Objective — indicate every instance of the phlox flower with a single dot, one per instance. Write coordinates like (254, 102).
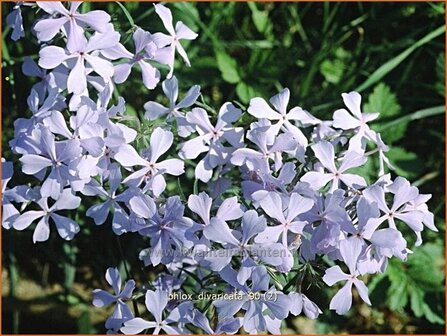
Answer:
(324, 151)
(259, 108)
(15, 20)
(121, 312)
(142, 40)
(420, 203)
(156, 302)
(261, 313)
(155, 110)
(383, 160)
(211, 138)
(70, 21)
(271, 147)
(301, 303)
(76, 58)
(56, 155)
(228, 326)
(152, 171)
(238, 243)
(366, 228)
(285, 210)
(229, 210)
(350, 250)
(25, 129)
(258, 184)
(167, 227)
(100, 211)
(355, 120)
(85, 128)
(403, 194)
(17, 194)
(331, 217)
(8, 210)
(181, 32)
(55, 80)
(66, 227)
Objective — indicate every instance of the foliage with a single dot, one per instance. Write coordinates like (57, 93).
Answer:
(393, 52)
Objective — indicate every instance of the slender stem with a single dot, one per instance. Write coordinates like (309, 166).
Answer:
(371, 152)
(126, 12)
(290, 283)
(13, 281)
(128, 275)
(299, 281)
(69, 267)
(206, 107)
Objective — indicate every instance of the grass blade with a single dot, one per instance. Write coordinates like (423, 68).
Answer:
(383, 70)
(425, 113)
(126, 12)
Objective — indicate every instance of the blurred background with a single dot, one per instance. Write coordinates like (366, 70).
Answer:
(393, 53)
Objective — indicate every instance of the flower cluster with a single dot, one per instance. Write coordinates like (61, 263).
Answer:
(278, 194)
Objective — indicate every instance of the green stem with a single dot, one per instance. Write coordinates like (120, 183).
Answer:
(13, 282)
(128, 275)
(425, 113)
(126, 12)
(69, 266)
(196, 187)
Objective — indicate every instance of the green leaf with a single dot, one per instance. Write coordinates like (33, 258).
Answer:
(431, 316)
(5, 50)
(72, 300)
(192, 275)
(397, 292)
(260, 18)
(440, 74)
(332, 70)
(180, 190)
(187, 13)
(130, 111)
(427, 259)
(86, 7)
(245, 92)
(384, 101)
(407, 164)
(277, 280)
(372, 284)
(383, 70)
(417, 300)
(419, 283)
(85, 324)
(228, 67)
(437, 8)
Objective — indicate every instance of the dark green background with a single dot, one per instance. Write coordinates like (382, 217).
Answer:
(318, 51)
